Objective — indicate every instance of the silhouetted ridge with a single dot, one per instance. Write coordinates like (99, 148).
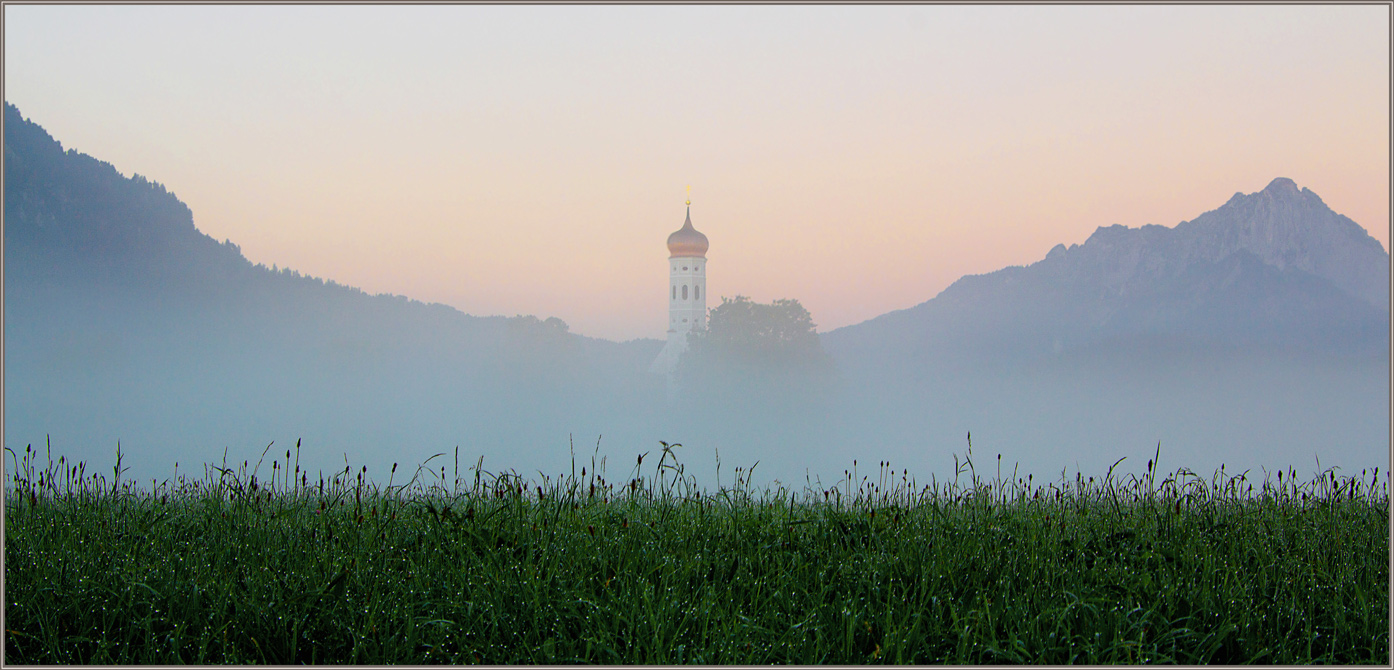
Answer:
(120, 312)
(71, 219)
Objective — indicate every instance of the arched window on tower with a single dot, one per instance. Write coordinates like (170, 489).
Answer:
(696, 292)
(675, 291)
(684, 291)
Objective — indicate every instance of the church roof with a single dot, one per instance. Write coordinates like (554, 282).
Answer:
(687, 241)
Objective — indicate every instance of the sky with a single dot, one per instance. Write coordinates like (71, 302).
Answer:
(533, 159)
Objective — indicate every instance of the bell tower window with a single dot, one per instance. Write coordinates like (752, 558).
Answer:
(684, 292)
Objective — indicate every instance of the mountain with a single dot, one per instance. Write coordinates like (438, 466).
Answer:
(124, 322)
(1273, 270)
(1255, 335)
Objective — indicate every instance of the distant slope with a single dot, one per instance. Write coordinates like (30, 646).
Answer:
(1275, 270)
(124, 321)
(74, 225)
(1251, 336)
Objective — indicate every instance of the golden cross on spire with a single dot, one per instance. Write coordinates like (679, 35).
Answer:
(689, 194)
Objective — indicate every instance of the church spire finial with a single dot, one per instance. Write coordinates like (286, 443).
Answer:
(687, 241)
(689, 195)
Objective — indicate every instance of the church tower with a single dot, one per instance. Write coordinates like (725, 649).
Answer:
(687, 292)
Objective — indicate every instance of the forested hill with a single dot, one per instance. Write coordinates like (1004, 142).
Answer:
(71, 219)
(74, 222)
(124, 321)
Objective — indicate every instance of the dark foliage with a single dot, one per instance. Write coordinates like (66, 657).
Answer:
(754, 357)
(741, 332)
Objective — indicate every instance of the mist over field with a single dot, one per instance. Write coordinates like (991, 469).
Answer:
(1255, 336)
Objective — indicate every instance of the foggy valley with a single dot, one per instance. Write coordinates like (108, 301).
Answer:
(1255, 335)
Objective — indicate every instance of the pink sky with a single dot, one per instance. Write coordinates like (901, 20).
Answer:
(532, 160)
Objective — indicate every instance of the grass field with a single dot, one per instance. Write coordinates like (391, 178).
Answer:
(492, 568)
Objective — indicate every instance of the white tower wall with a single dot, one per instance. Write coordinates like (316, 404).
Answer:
(687, 295)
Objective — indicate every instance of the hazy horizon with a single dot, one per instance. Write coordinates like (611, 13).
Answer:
(532, 160)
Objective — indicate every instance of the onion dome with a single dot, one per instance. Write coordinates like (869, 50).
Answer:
(687, 241)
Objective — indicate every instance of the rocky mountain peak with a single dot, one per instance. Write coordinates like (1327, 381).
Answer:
(1275, 266)
(1288, 227)
(1282, 186)
(1284, 226)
